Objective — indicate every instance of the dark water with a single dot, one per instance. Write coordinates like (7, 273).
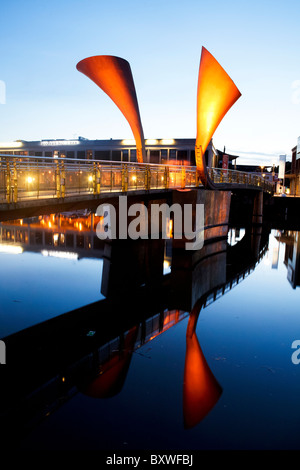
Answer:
(199, 359)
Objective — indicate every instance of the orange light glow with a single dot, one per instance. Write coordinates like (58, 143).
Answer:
(201, 390)
(215, 96)
(113, 75)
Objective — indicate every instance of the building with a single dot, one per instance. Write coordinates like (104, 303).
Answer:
(158, 151)
(294, 174)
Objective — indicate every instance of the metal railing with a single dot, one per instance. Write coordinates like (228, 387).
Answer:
(233, 177)
(25, 178)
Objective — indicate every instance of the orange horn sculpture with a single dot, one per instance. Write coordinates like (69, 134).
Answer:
(201, 391)
(215, 96)
(113, 75)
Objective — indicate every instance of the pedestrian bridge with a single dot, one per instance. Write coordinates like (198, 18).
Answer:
(33, 179)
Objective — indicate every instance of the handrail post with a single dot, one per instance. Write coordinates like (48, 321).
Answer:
(63, 180)
(183, 177)
(94, 179)
(97, 179)
(147, 178)
(166, 177)
(124, 178)
(57, 177)
(15, 182)
(38, 180)
(8, 182)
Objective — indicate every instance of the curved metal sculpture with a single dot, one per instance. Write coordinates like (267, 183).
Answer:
(113, 75)
(215, 96)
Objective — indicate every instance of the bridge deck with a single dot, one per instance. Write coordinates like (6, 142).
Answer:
(28, 181)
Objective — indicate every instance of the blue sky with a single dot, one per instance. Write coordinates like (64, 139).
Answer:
(258, 44)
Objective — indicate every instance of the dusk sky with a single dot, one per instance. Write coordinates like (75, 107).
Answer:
(257, 43)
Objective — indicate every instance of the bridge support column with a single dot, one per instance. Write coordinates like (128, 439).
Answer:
(216, 212)
(131, 263)
(258, 204)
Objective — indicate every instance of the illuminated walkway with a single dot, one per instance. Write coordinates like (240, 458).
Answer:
(25, 179)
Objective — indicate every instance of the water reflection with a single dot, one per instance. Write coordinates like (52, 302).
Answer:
(55, 234)
(113, 371)
(291, 240)
(201, 391)
(148, 288)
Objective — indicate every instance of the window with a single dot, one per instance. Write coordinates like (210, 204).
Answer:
(125, 156)
(154, 156)
(133, 155)
(172, 156)
(164, 156)
(116, 155)
(81, 154)
(182, 156)
(102, 155)
(193, 158)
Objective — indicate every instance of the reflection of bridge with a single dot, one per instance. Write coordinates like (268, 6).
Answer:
(63, 235)
(90, 349)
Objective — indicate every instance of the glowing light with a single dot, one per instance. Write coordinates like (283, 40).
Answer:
(90, 179)
(151, 141)
(128, 142)
(59, 142)
(134, 179)
(11, 249)
(11, 145)
(167, 141)
(60, 254)
(167, 267)
(29, 179)
(169, 227)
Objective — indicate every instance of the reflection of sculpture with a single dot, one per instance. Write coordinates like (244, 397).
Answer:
(201, 390)
(113, 75)
(216, 94)
(111, 379)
